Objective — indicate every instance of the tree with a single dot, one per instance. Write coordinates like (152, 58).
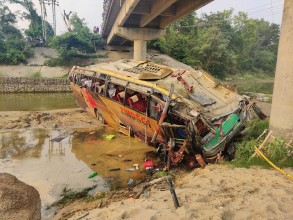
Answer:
(74, 44)
(80, 28)
(12, 45)
(35, 26)
(222, 43)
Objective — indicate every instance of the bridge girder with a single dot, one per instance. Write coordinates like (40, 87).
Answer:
(147, 14)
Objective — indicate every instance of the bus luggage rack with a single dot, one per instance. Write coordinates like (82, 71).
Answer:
(144, 68)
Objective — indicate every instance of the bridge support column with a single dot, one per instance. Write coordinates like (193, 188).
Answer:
(140, 36)
(139, 50)
(281, 121)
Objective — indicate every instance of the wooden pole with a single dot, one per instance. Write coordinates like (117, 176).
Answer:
(263, 143)
(173, 193)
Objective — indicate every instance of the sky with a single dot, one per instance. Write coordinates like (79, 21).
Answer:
(91, 10)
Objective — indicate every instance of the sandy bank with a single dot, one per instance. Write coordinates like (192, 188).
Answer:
(217, 192)
(61, 119)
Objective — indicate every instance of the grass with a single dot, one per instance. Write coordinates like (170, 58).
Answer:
(105, 55)
(36, 74)
(65, 76)
(254, 128)
(252, 82)
(69, 196)
(276, 150)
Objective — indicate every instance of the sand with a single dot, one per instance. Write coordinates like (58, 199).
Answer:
(57, 119)
(216, 192)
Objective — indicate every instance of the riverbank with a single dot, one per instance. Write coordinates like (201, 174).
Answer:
(216, 192)
(58, 119)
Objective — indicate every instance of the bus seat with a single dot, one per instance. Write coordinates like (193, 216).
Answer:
(121, 96)
(100, 89)
(137, 102)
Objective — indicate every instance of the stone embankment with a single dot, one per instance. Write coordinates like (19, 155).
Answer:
(33, 85)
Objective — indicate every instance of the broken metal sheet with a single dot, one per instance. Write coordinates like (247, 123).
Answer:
(202, 99)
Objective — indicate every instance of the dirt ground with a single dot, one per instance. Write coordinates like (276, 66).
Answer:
(57, 119)
(216, 192)
(61, 119)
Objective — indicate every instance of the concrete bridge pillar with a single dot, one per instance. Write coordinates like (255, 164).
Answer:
(139, 50)
(281, 121)
(139, 36)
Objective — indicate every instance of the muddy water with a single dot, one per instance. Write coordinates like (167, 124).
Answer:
(51, 166)
(36, 101)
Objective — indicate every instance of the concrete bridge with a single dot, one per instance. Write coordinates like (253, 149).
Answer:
(142, 20)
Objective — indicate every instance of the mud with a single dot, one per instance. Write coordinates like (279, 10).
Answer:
(61, 119)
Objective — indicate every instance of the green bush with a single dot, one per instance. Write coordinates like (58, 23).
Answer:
(36, 74)
(105, 55)
(276, 151)
(244, 151)
(12, 51)
(254, 128)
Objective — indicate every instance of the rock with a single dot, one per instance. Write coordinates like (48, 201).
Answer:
(18, 200)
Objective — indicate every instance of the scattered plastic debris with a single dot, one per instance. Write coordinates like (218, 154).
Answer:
(148, 164)
(146, 194)
(130, 169)
(115, 169)
(130, 182)
(136, 166)
(110, 137)
(92, 175)
(200, 160)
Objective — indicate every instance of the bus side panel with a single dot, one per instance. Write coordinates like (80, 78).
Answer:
(95, 102)
(136, 120)
(78, 95)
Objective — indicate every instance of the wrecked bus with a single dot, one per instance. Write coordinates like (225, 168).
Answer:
(180, 112)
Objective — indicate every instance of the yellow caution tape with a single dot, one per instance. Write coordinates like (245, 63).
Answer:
(271, 163)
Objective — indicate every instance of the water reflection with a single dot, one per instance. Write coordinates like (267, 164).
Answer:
(52, 166)
(48, 166)
(111, 158)
(18, 144)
